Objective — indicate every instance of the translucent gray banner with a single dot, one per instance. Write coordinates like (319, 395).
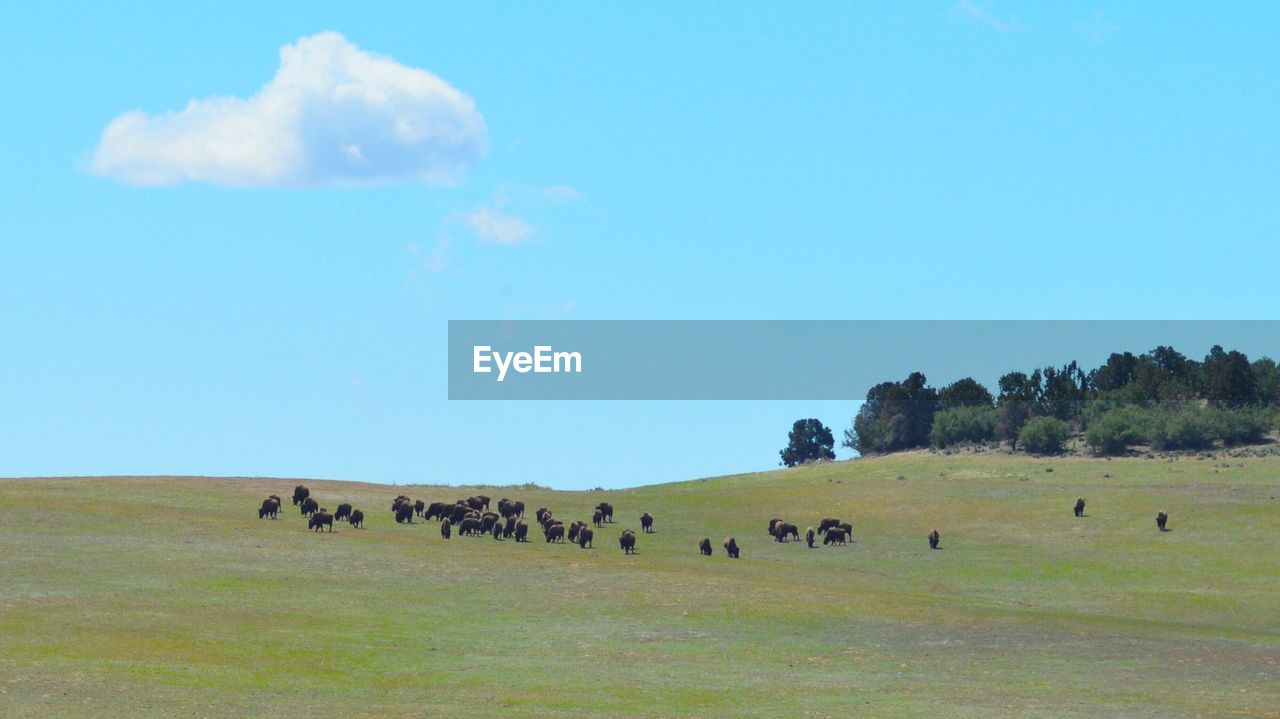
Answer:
(786, 360)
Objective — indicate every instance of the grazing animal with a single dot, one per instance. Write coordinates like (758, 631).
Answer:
(1080, 506)
(270, 508)
(522, 532)
(705, 546)
(784, 529)
(435, 510)
(470, 527)
(475, 503)
(343, 512)
(504, 507)
(1162, 519)
(574, 528)
(555, 533)
(933, 539)
(730, 547)
(835, 535)
(399, 500)
(275, 497)
(357, 518)
(488, 522)
(458, 512)
(627, 542)
(646, 523)
(808, 537)
(419, 507)
(597, 518)
(404, 513)
(446, 528)
(826, 524)
(497, 530)
(300, 493)
(320, 519)
(847, 529)
(606, 511)
(518, 507)
(510, 527)
(310, 506)
(584, 536)
(773, 525)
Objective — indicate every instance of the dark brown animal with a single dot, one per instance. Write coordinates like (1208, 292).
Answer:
(835, 535)
(509, 528)
(826, 524)
(606, 510)
(458, 512)
(522, 532)
(419, 507)
(847, 529)
(484, 502)
(300, 493)
(555, 533)
(1161, 520)
(404, 513)
(646, 523)
(435, 510)
(933, 539)
(446, 528)
(808, 537)
(275, 497)
(399, 500)
(585, 534)
(518, 506)
(270, 508)
(497, 530)
(357, 518)
(627, 542)
(785, 529)
(597, 518)
(705, 546)
(731, 547)
(470, 527)
(319, 520)
(574, 528)
(475, 503)
(538, 514)
(773, 524)
(310, 506)
(488, 522)
(1079, 506)
(342, 513)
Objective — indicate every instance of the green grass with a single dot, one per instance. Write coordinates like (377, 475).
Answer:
(168, 597)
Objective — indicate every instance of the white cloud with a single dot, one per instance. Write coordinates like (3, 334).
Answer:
(333, 114)
(986, 17)
(491, 225)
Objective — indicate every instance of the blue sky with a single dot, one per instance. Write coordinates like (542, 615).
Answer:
(631, 161)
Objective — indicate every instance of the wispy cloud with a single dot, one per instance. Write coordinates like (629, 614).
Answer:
(985, 16)
(494, 226)
(1098, 28)
(332, 114)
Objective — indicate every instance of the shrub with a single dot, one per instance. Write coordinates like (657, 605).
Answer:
(1186, 427)
(1118, 430)
(1243, 425)
(964, 424)
(1044, 435)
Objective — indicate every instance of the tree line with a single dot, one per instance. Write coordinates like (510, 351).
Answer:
(1159, 398)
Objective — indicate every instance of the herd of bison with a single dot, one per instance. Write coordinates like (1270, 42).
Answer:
(472, 517)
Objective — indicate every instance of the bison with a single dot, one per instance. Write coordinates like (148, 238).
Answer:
(446, 528)
(554, 533)
(470, 527)
(1162, 519)
(310, 506)
(435, 510)
(342, 513)
(933, 539)
(826, 524)
(783, 529)
(847, 529)
(488, 522)
(419, 507)
(404, 513)
(319, 520)
(808, 537)
(270, 508)
(705, 546)
(522, 532)
(509, 528)
(597, 518)
(399, 500)
(627, 542)
(497, 530)
(357, 518)
(458, 512)
(574, 528)
(646, 523)
(730, 548)
(584, 536)
(1079, 506)
(773, 524)
(540, 513)
(300, 493)
(518, 507)
(835, 535)
(606, 511)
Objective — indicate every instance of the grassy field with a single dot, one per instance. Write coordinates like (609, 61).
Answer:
(165, 597)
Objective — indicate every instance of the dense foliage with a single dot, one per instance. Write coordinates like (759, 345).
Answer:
(809, 441)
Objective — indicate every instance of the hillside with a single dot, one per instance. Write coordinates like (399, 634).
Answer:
(169, 597)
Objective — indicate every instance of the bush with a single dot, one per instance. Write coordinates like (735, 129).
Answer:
(1044, 435)
(1244, 425)
(964, 424)
(1187, 427)
(1119, 429)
